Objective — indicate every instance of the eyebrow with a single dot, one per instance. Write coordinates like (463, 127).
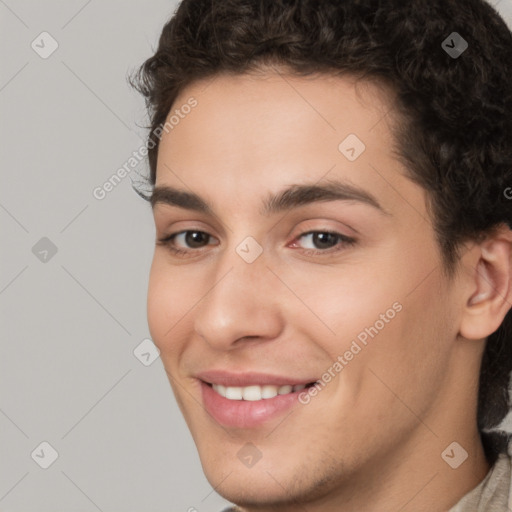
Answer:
(292, 197)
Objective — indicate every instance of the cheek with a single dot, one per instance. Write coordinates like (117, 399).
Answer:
(170, 299)
(409, 356)
(387, 314)
(157, 304)
(343, 304)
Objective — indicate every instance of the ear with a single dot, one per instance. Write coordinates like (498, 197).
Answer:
(490, 285)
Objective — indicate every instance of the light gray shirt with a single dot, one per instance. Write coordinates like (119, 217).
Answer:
(494, 492)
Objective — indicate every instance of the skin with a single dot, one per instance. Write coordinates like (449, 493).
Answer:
(372, 438)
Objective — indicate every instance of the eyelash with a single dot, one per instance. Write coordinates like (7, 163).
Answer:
(345, 241)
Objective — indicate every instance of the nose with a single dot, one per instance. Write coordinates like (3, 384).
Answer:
(241, 304)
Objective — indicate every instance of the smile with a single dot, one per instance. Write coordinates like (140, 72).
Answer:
(256, 392)
(250, 406)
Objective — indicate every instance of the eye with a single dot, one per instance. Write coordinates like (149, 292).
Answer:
(192, 239)
(321, 242)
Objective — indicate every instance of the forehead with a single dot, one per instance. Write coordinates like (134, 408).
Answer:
(266, 102)
(256, 133)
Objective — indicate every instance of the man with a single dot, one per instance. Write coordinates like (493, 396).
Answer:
(332, 279)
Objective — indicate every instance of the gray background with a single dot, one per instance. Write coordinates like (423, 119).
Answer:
(72, 320)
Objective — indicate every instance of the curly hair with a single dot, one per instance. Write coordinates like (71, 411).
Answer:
(455, 134)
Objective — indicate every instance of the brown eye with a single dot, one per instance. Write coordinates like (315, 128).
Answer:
(195, 239)
(324, 241)
(189, 242)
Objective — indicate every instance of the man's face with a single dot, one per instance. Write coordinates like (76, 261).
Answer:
(273, 299)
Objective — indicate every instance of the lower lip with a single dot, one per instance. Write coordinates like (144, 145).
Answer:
(245, 413)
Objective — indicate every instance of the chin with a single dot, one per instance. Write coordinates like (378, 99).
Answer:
(262, 489)
(238, 483)
(272, 481)
(250, 490)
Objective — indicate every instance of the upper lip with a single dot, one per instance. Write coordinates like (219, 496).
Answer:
(244, 379)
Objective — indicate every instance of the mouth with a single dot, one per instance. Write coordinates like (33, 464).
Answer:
(254, 402)
(256, 392)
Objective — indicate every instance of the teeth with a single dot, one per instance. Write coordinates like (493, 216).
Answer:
(283, 390)
(254, 393)
(269, 391)
(234, 393)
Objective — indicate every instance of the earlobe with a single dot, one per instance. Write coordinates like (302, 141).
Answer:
(491, 286)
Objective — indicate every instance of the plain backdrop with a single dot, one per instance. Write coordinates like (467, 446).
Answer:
(78, 392)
